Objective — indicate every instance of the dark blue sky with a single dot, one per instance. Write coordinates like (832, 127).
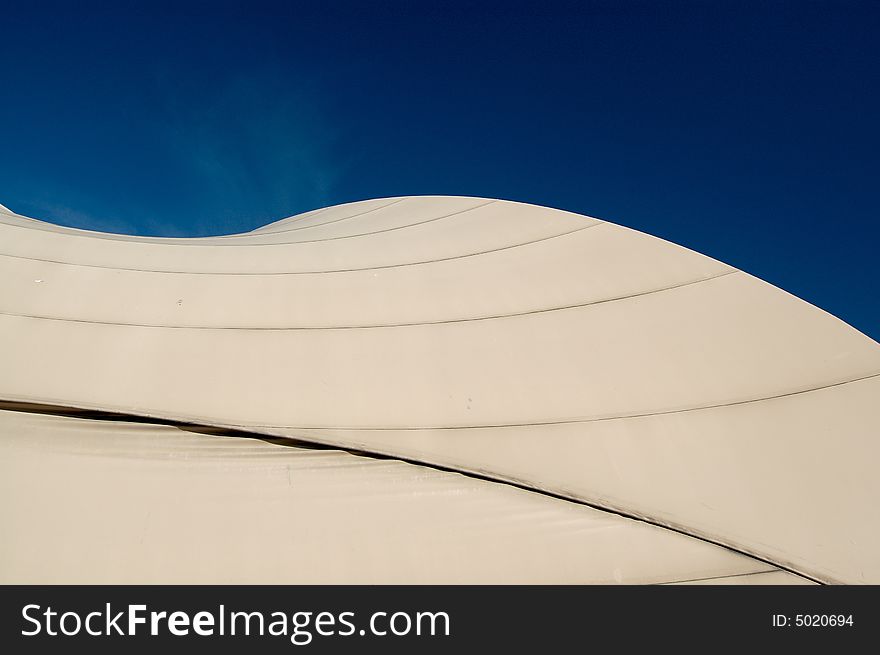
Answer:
(749, 132)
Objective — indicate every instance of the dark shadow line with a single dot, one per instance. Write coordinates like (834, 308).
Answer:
(294, 442)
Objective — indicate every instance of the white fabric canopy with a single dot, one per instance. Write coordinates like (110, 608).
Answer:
(524, 344)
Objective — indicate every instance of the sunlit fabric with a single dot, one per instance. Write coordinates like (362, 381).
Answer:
(505, 393)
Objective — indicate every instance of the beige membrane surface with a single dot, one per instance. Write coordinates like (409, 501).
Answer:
(522, 343)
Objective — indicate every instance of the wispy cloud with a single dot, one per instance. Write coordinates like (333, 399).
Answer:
(252, 150)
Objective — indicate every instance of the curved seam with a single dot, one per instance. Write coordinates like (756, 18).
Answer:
(307, 214)
(377, 326)
(266, 245)
(254, 233)
(577, 421)
(725, 577)
(312, 429)
(322, 272)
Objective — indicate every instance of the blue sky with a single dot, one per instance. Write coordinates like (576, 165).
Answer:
(747, 131)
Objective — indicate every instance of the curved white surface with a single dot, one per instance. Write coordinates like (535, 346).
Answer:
(526, 344)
